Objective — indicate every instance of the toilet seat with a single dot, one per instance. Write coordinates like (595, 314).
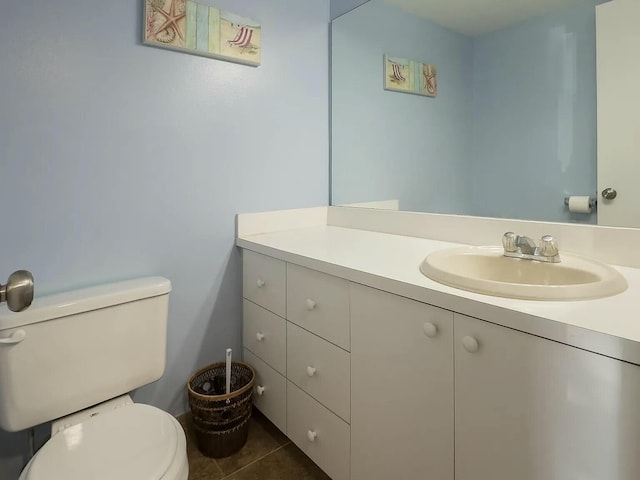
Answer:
(134, 442)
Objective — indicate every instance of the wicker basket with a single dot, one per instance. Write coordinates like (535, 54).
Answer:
(221, 421)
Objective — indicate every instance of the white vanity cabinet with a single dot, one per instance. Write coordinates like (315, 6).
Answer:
(264, 332)
(296, 336)
(528, 408)
(401, 388)
(372, 386)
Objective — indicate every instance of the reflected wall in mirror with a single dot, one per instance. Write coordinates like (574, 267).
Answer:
(513, 130)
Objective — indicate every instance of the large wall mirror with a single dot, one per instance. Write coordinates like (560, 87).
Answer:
(536, 102)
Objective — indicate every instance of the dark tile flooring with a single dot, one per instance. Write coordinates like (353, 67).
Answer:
(267, 455)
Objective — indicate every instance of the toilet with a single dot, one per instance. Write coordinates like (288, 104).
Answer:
(73, 358)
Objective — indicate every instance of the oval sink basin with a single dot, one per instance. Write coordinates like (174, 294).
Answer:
(486, 270)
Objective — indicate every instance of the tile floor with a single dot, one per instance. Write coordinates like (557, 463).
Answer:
(267, 455)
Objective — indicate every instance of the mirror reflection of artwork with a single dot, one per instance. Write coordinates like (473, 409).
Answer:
(397, 74)
(190, 27)
(403, 75)
(429, 84)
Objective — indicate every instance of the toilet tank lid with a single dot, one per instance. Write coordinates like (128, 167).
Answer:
(84, 300)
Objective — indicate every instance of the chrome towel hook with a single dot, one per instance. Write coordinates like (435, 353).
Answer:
(18, 292)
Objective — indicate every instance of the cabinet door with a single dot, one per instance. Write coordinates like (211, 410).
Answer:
(401, 388)
(532, 409)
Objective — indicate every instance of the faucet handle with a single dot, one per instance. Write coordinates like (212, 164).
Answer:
(548, 246)
(509, 242)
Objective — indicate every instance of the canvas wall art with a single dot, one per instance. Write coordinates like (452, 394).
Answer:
(409, 76)
(191, 27)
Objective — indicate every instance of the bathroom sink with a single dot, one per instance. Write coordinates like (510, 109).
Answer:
(486, 270)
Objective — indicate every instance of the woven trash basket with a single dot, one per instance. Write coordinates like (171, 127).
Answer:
(221, 421)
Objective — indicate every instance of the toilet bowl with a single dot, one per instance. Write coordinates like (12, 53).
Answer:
(134, 442)
(87, 349)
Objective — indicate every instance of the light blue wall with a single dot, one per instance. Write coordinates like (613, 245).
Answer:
(340, 7)
(119, 160)
(535, 117)
(390, 145)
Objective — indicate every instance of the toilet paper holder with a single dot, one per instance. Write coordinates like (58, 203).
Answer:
(593, 201)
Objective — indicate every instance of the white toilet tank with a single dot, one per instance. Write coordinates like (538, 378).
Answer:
(75, 349)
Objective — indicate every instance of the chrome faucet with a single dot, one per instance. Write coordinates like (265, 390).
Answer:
(519, 246)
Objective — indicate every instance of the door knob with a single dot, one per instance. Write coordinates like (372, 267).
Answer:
(18, 292)
(609, 193)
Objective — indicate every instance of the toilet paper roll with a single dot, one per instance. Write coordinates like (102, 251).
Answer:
(579, 205)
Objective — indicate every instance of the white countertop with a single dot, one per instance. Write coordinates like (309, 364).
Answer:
(608, 326)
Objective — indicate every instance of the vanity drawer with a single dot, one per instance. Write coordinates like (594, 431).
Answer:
(319, 303)
(265, 334)
(321, 435)
(264, 281)
(319, 368)
(269, 391)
